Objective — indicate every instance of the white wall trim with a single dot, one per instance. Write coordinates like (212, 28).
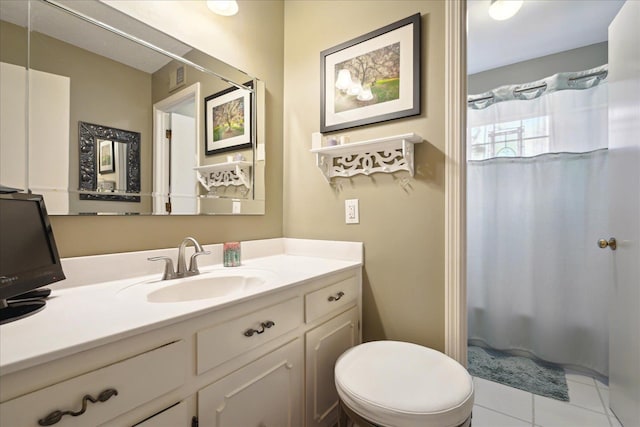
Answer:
(455, 181)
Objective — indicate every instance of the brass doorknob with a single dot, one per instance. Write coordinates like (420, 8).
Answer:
(611, 243)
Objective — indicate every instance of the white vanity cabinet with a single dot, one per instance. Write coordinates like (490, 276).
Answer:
(266, 360)
(296, 378)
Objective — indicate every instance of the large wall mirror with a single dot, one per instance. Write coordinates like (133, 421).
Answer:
(123, 119)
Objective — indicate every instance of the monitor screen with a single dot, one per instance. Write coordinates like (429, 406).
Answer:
(28, 253)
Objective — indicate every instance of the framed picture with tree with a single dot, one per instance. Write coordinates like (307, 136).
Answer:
(228, 120)
(106, 163)
(372, 78)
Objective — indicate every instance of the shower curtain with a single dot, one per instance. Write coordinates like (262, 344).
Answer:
(537, 190)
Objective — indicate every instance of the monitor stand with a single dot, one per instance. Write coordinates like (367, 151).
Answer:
(14, 310)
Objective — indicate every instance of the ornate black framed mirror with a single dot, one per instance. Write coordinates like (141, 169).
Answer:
(109, 163)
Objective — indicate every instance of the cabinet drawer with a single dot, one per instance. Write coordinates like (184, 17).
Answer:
(229, 339)
(136, 380)
(331, 298)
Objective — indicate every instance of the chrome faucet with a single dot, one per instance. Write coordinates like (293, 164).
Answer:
(193, 265)
(182, 270)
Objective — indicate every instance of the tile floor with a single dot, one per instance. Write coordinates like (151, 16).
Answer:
(497, 405)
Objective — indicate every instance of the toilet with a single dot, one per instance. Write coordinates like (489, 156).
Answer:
(400, 384)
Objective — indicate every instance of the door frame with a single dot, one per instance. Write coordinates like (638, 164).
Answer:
(455, 180)
(160, 150)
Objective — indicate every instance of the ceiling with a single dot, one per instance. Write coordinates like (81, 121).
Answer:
(53, 22)
(541, 27)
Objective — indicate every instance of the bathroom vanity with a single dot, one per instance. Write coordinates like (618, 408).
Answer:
(258, 350)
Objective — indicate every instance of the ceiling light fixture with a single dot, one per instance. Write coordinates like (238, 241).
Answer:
(504, 9)
(224, 8)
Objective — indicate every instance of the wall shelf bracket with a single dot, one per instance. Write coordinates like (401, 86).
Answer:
(227, 174)
(386, 155)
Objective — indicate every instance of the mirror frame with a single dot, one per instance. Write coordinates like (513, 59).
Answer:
(88, 134)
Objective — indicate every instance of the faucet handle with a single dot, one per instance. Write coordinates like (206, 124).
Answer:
(169, 273)
(193, 264)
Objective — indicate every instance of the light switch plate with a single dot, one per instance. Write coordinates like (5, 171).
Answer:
(235, 207)
(351, 211)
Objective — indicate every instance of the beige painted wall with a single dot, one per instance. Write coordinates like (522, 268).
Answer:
(253, 41)
(13, 44)
(402, 227)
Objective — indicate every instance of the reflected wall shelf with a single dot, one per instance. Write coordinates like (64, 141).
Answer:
(387, 155)
(224, 174)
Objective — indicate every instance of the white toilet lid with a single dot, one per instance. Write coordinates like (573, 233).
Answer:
(393, 383)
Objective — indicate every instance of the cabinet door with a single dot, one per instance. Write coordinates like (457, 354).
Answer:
(265, 393)
(324, 345)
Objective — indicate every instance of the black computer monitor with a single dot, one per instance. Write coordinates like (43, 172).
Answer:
(28, 254)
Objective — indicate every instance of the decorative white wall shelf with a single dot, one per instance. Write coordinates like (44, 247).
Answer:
(224, 174)
(387, 155)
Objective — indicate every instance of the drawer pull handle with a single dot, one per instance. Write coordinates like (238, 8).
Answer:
(264, 325)
(56, 416)
(337, 297)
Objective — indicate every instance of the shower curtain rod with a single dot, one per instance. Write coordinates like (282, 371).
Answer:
(519, 89)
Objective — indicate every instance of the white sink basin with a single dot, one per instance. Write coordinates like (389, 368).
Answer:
(207, 285)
